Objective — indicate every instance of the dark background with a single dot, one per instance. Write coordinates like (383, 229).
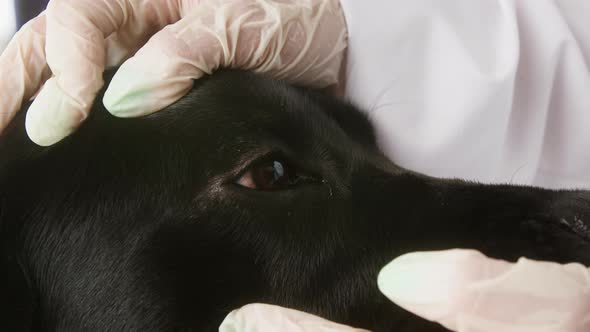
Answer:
(27, 9)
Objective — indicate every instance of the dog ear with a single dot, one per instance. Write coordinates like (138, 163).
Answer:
(16, 297)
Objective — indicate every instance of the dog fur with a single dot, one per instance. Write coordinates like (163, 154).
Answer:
(142, 224)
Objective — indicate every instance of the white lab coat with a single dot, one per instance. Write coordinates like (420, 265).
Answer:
(495, 91)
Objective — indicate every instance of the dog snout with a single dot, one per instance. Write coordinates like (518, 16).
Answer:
(572, 211)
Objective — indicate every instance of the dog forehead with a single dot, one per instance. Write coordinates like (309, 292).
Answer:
(233, 113)
(241, 103)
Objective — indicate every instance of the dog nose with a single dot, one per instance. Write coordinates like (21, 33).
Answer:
(572, 210)
(577, 226)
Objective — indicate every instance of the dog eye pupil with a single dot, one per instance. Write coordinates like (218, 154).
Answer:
(271, 176)
(279, 170)
(268, 175)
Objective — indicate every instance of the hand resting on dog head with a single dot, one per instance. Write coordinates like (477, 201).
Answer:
(60, 55)
(246, 190)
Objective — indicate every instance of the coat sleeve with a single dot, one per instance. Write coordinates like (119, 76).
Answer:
(495, 91)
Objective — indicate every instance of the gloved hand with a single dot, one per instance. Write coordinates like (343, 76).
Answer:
(468, 292)
(464, 291)
(74, 40)
(264, 317)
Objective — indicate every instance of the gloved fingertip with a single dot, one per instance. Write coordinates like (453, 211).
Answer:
(428, 284)
(266, 317)
(52, 116)
(122, 100)
(136, 93)
(43, 136)
(141, 88)
(230, 323)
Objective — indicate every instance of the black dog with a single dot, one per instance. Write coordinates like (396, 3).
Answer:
(246, 190)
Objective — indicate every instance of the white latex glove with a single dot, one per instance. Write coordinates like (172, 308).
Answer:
(74, 40)
(468, 292)
(264, 317)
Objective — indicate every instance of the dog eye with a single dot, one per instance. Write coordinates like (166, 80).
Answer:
(268, 175)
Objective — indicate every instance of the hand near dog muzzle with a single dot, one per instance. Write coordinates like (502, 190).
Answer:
(467, 292)
(464, 291)
(67, 48)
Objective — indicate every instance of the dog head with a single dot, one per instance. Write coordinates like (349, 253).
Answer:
(246, 190)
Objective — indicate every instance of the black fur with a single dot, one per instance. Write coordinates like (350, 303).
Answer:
(138, 225)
